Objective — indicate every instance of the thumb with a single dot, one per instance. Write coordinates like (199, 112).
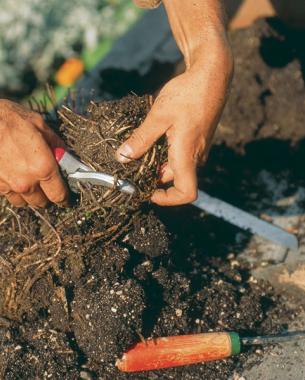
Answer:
(141, 139)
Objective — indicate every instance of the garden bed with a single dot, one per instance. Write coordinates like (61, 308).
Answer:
(80, 286)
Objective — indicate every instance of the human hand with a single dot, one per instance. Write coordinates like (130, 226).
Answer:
(28, 170)
(187, 111)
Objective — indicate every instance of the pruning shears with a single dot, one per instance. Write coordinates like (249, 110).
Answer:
(76, 170)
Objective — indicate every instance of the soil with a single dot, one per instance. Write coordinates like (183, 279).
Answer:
(269, 73)
(80, 286)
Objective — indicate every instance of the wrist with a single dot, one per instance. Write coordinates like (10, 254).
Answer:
(212, 46)
(198, 26)
(216, 54)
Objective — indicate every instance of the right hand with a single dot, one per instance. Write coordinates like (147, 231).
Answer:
(29, 173)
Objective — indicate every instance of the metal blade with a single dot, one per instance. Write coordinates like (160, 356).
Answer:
(102, 179)
(273, 339)
(245, 220)
(70, 164)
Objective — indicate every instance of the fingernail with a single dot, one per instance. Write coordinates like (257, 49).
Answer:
(124, 154)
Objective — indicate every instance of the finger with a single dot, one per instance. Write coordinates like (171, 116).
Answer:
(4, 188)
(142, 138)
(51, 184)
(55, 189)
(167, 174)
(15, 199)
(35, 198)
(183, 164)
(177, 194)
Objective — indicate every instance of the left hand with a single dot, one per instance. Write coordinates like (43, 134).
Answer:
(187, 110)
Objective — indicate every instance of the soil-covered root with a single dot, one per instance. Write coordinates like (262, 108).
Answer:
(34, 241)
(95, 139)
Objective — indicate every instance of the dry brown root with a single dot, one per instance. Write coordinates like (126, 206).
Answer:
(33, 242)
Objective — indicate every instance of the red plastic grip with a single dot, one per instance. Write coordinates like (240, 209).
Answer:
(58, 153)
(176, 351)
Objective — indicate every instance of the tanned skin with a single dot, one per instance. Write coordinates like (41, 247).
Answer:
(187, 111)
(188, 107)
(28, 171)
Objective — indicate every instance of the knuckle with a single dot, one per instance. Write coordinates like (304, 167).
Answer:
(162, 99)
(43, 168)
(191, 196)
(37, 119)
(21, 187)
(199, 148)
(138, 137)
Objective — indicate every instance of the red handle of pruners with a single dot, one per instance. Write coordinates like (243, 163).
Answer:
(67, 161)
(58, 153)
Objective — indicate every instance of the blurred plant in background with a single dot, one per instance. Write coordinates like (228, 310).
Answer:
(38, 35)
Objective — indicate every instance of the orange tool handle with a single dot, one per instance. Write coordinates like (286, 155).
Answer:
(177, 351)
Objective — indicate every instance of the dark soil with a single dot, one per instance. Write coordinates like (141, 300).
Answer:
(267, 96)
(104, 276)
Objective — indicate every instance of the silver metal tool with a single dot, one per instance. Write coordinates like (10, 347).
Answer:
(245, 220)
(76, 170)
(273, 339)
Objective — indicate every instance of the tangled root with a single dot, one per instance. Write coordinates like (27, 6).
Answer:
(34, 242)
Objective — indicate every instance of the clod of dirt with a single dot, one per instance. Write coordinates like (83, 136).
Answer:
(106, 318)
(267, 96)
(142, 237)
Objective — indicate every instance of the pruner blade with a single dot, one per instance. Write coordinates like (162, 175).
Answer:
(103, 179)
(78, 171)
